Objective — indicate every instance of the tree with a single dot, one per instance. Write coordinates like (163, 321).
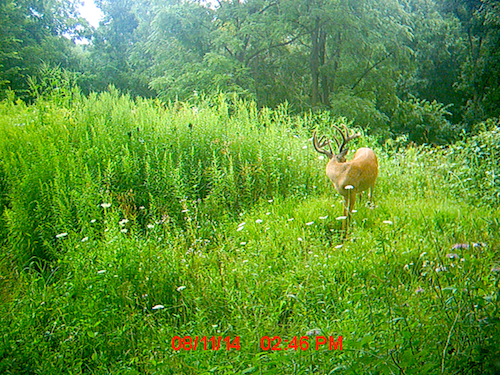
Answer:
(35, 32)
(479, 79)
(111, 58)
(438, 49)
(180, 45)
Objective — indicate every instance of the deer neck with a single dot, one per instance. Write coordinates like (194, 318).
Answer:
(334, 169)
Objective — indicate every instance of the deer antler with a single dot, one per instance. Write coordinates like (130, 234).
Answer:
(322, 142)
(345, 139)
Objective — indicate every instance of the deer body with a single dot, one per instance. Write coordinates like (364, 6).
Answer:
(361, 172)
(349, 177)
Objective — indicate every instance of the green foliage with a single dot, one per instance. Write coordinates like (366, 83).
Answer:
(359, 58)
(439, 46)
(273, 53)
(362, 111)
(479, 73)
(36, 33)
(129, 222)
(477, 174)
(113, 57)
(422, 122)
(55, 85)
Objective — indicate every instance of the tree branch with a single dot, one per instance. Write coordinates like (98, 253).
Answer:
(258, 52)
(369, 69)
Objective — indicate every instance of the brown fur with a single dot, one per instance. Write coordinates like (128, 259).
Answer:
(361, 173)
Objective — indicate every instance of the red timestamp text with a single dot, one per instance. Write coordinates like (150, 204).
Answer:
(301, 343)
(205, 343)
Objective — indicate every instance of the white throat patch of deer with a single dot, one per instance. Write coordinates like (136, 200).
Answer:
(349, 177)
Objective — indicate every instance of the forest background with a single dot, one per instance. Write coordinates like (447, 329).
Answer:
(427, 69)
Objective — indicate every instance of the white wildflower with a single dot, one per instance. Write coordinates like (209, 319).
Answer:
(123, 222)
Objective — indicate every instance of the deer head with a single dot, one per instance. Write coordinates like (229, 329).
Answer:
(342, 147)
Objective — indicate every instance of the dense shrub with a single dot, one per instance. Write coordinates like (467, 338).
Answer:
(477, 172)
(362, 111)
(423, 122)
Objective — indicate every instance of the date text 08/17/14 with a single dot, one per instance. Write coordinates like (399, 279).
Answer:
(274, 343)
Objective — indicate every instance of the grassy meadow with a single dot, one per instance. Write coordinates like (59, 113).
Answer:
(125, 223)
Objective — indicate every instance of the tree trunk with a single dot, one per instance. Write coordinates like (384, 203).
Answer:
(324, 81)
(320, 87)
(315, 65)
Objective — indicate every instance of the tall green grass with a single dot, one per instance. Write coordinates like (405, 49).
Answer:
(222, 214)
(149, 161)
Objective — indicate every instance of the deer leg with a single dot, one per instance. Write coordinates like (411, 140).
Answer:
(346, 215)
(371, 205)
(352, 201)
(349, 201)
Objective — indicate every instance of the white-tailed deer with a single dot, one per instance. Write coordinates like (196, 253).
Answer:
(349, 177)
